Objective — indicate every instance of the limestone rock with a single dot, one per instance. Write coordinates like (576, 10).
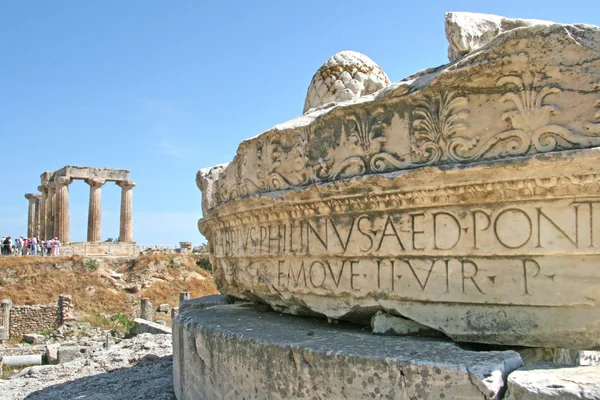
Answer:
(205, 180)
(33, 338)
(547, 382)
(465, 198)
(52, 353)
(577, 357)
(204, 302)
(345, 76)
(467, 31)
(309, 358)
(69, 353)
(589, 357)
(383, 323)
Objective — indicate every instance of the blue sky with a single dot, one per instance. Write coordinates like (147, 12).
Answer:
(164, 88)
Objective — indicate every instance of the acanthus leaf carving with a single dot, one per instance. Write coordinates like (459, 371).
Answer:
(531, 119)
(436, 122)
(363, 133)
(592, 127)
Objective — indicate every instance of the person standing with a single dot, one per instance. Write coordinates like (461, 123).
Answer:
(55, 246)
(48, 247)
(33, 243)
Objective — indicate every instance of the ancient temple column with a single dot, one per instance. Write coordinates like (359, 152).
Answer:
(62, 226)
(30, 214)
(42, 211)
(50, 210)
(126, 229)
(95, 212)
(38, 215)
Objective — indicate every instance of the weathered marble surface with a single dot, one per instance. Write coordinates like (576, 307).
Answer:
(265, 355)
(464, 198)
(345, 76)
(530, 90)
(553, 382)
(467, 31)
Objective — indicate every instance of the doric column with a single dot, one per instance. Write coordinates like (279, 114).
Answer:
(42, 211)
(50, 210)
(38, 215)
(95, 212)
(63, 227)
(30, 214)
(126, 230)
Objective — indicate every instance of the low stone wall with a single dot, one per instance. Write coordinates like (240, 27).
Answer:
(36, 318)
(100, 249)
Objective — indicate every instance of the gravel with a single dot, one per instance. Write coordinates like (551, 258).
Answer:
(136, 368)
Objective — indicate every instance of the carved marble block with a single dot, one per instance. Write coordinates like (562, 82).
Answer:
(465, 197)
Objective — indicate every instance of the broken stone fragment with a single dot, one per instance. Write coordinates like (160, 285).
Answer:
(205, 180)
(34, 338)
(383, 323)
(548, 382)
(467, 31)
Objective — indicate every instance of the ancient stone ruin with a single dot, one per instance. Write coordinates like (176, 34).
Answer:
(48, 214)
(464, 199)
(19, 320)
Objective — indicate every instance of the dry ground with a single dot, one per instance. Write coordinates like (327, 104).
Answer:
(103, 286)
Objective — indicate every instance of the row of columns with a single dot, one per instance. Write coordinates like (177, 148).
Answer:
(49, 216)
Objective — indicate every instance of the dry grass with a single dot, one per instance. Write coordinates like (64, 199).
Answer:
(168, 292)
(96, 296)
(43, 287)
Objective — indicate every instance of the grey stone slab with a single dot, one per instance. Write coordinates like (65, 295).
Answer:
(270, 355)
(383, 323)
(203, 302)
(550, 382)
(69, 353)
(144, 326)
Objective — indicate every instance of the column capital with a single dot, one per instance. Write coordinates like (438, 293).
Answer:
(63, 180)
(32, 196)
(50, 185)
(125, 184)
(43, 189)
(95, 182)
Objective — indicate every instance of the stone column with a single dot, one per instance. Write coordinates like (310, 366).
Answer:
(6, 306)
(95, 212)
(146, 309)
(31, 214)
(183, 296)
(50, 210)
(62, 226)
(126, 230)
(38, 215)
(42, 211)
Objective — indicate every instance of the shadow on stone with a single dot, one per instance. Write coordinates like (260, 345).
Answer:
(150, 378)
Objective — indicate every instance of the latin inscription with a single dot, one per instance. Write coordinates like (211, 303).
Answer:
(550, 227)
(510, 280)
(527, 253)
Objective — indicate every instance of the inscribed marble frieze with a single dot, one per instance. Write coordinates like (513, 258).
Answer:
(465, 197)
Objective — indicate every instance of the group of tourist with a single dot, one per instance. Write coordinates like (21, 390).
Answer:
(30, 246)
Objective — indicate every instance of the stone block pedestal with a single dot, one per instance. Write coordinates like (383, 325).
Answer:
(236, 351)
